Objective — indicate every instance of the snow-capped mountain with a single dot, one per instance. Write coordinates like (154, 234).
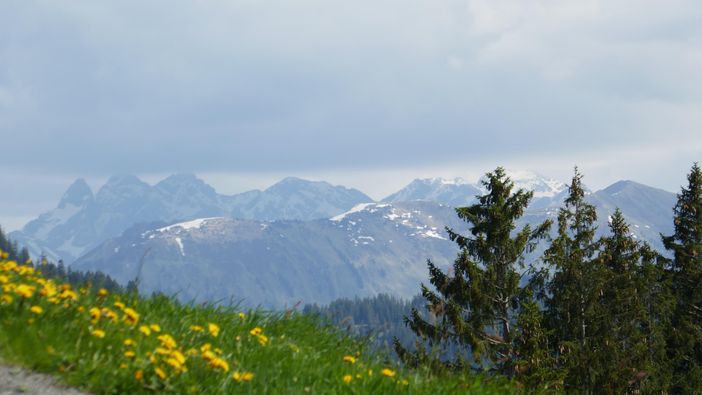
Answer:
(82, 221)
(458, 192)
(370, 249)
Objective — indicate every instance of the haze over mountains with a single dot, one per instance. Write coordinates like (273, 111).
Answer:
(295, 241)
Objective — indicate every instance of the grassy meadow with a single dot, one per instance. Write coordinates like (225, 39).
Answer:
(125, 344)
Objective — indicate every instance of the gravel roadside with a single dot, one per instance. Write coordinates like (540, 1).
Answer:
(15, 381)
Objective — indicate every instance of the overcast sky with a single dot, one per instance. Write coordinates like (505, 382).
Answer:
(368, 94)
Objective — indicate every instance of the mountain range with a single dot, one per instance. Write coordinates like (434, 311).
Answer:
(295, 241)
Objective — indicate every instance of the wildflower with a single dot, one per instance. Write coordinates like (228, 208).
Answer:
(67, 293)
(256, 331)
(160, 373)
(348, 378)
(123, 366)
(139, 375)
(197, 328)
(145, 330)
(6, 299)
(94, 314)
(213, 329)
(167, 341)
(178, 356)
(205, 347)
(131, 317)
(155, 327)
(208, 355)
(349, 359)
(109, 314)
(25, 291)
(242, 316)
(219, 363)
(129, 354)
(129, 342)
(388, 372)
(262, 339)
(99, 333)
(175, 364)
(242, 376)
(36, 309)
(4, 279)
(162, 351)
(102, 292)
(119, 305)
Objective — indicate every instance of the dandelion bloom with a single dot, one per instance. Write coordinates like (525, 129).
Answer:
(36, 309)
(99, 333)
(256, 331)
(348, 378)
(155, 327)
(242, 316)
(102, 292)
(196, 328)
(131, 317)
(349, 359)
(129, 354)
(145, 330)
(25, 291)
(139, 375)
(262, 340)
(160, 373)
(242, 376)
(219, 363)
(167, 341)
(6, 299)
(388, 372)
(129, 342)
(213, 329)
(119, 305)
(94, 314)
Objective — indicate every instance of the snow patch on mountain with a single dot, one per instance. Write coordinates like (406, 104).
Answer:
(188, 225)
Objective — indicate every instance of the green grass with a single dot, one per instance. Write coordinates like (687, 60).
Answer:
(300, 355)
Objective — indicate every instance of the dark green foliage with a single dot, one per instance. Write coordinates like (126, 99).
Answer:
(474, 305)
(685, 334)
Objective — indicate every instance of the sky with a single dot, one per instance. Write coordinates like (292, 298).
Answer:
(367, 94)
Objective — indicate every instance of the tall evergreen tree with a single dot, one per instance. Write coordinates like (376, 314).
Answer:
(475, 306)
(571, 296)
(685, 340)
(625, 354)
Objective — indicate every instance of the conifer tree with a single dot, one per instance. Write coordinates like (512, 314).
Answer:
(475, 305)
(685, 334)
(626, 357)
(573, 289)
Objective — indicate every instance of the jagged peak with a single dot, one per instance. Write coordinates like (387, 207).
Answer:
(77, 194)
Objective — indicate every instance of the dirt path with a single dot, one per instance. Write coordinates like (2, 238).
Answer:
(16, 381)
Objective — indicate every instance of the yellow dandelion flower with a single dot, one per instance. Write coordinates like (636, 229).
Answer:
(242, 316)
(118, 305)
(262, 340)
(36, 309)
(178, 356)
(208, 355)
(25, 291)
(196, 328)
(6, 299)
(213, 329)
(256, 331)
(155, 327)
(349, 359)
(348, 378)
(160, 373)
(99, 333)
(123, 366)
(94, 314)
(129, 342)
(145, 330)
(167, 341)
(205, 347)
(162, 351)
(102, 292)
(129, 354)
(139, 375)
(219, 363)
(388, 372)
(131, 317)
(242, 376)
(4, 279)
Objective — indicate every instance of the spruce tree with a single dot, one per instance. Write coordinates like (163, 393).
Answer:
(626, 356)
(572, 292)
(475, 305)
(685, 334)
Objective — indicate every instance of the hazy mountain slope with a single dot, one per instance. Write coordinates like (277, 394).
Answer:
(82, 221)
(374, 248)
